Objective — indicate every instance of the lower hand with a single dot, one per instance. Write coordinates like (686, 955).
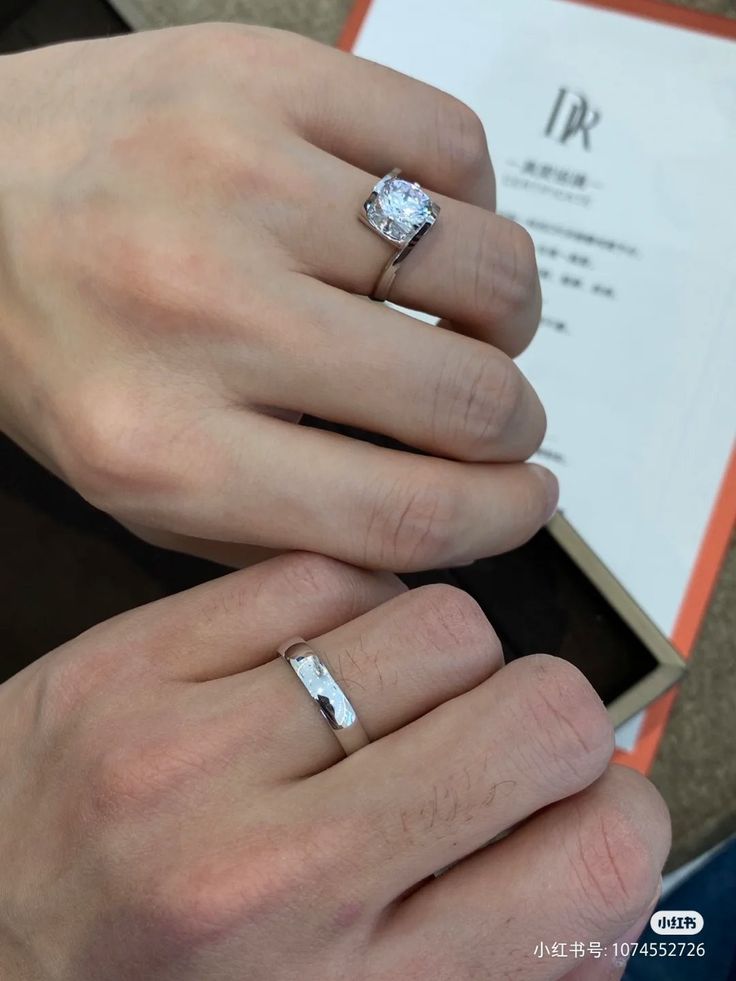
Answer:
(174, 807)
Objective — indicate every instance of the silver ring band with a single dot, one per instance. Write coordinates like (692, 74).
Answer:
(401, 212)
(311, 669)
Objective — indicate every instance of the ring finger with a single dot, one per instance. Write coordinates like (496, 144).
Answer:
(473, 268)
(394, 663)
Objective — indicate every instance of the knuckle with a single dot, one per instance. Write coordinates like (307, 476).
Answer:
(519, 276)
(505, 283)
(572, 734)
(485, 297)
(199, 144)
(310, 576)
(448, 618)
(462, 138)
(614, 868)
(65, 686)
(173, 142)
(134, 775)
(179, 145)
(125, 273)
(261, 168)
(109, 446)
(205, 903)
(265, 41)
(113, 784)
(531, 503)
(213, 896)
(239, 47)
(411, 524)
(480, 400)
(74, 681)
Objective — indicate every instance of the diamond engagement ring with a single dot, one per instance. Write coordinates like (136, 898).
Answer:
(401, 212)
(333, 703)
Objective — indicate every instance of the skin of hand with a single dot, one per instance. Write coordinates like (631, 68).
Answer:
(174, 807)
(183, 275)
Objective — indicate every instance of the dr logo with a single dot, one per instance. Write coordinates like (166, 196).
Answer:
(571, 117)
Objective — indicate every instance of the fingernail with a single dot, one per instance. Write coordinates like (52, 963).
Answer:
(551, 489)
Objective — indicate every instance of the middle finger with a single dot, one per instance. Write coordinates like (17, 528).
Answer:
(366, 365)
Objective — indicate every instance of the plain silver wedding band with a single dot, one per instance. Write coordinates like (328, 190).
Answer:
(334, 705)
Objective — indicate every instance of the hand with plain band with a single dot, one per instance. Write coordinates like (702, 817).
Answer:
(174, 807)
(183, 276)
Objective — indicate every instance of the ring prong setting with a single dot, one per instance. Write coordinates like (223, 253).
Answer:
(401, 212)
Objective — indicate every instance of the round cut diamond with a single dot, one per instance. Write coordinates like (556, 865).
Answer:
(399, 209)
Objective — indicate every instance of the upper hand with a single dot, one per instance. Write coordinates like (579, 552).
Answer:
(180, 261)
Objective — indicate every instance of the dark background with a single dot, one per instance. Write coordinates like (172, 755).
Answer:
(69, 566)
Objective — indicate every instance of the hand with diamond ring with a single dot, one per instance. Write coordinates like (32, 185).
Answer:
(174, 807)
(183, 275)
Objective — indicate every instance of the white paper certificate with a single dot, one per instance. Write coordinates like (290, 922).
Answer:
(614, 143)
